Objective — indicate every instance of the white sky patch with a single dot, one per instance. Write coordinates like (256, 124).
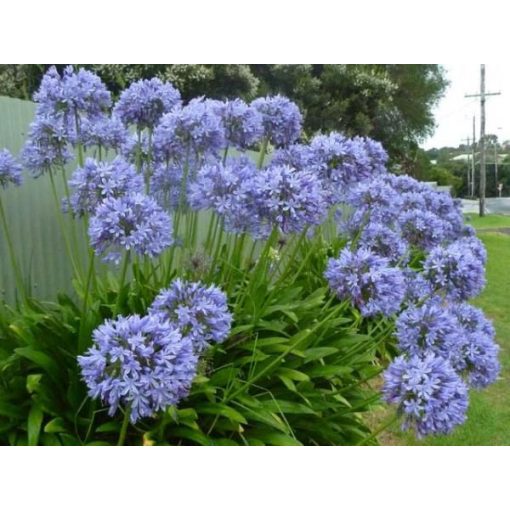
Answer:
(454, 113)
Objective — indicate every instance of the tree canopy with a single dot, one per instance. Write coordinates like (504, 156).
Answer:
(389, 102)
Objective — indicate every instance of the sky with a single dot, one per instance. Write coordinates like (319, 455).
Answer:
(454, 113)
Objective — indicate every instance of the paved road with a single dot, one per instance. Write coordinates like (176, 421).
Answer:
(492, 206)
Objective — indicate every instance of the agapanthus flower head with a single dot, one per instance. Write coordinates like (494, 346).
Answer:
(345, 161)
(95, 182)
(281, 119)
(10, 169)
(242, 123)
(384, 241)
(230, 191)
(78, 92)
(478, 356)
(371, 201)
(289, 199)
(417, 288)
(367, 280)
(404, 183)
(455, 271)
(104, 131)
(144, 102)
(428, 327)
(297, 155)
(46, 146)
(131, 222)
(200, 312)
(143, 364)
(428, 393)
(84, 92)
(422, 229)
(193, 130)
(166, 185)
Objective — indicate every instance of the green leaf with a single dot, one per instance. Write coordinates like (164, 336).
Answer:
(40, 359)
(10, 410)
(275, 439)
(110, 426)
(33, 381)
(221, 410)
(55, 426)
(328, 371)
(34, 422)
(318, 353)
(295, 375)
(287, 407)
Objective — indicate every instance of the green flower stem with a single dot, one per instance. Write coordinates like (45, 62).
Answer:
(225, 154)
(125, 264)
(60, 218)
(17, 272)
(73, 228)
(125, 424)
(82, 340)
(213, 222)
(262, 153)
(148, 173)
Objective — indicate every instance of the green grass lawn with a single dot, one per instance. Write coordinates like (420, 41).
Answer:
(489, 221)
(488, 420)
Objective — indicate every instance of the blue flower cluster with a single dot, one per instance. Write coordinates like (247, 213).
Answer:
(428, 392)
(130, 222)
(281, 119)
(199, 312)
(10, 169)
(141, 363)
(242, 123)
(95, 182)
(144, 102)
(146, 364)
(367, 280)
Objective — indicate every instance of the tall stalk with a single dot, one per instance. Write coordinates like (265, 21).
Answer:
(14, 262)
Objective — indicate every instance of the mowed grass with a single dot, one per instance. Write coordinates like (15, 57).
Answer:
(488, 420)
(489, 221)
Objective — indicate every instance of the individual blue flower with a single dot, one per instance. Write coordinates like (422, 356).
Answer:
(455, 271)
(427, 392)
(428, 327)
(200, 312)
(144, 102)
(131, 222)
(367, 280)
(10, 169)
(95, 182)
(140, 363)
(281, 119)
(46, 146)
(104, 131)
(289, 199)
(192, 131)
(478, 356)
(242, 123)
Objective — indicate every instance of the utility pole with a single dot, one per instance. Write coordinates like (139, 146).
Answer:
(482, 95)
(467, 140)
(473, 159)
